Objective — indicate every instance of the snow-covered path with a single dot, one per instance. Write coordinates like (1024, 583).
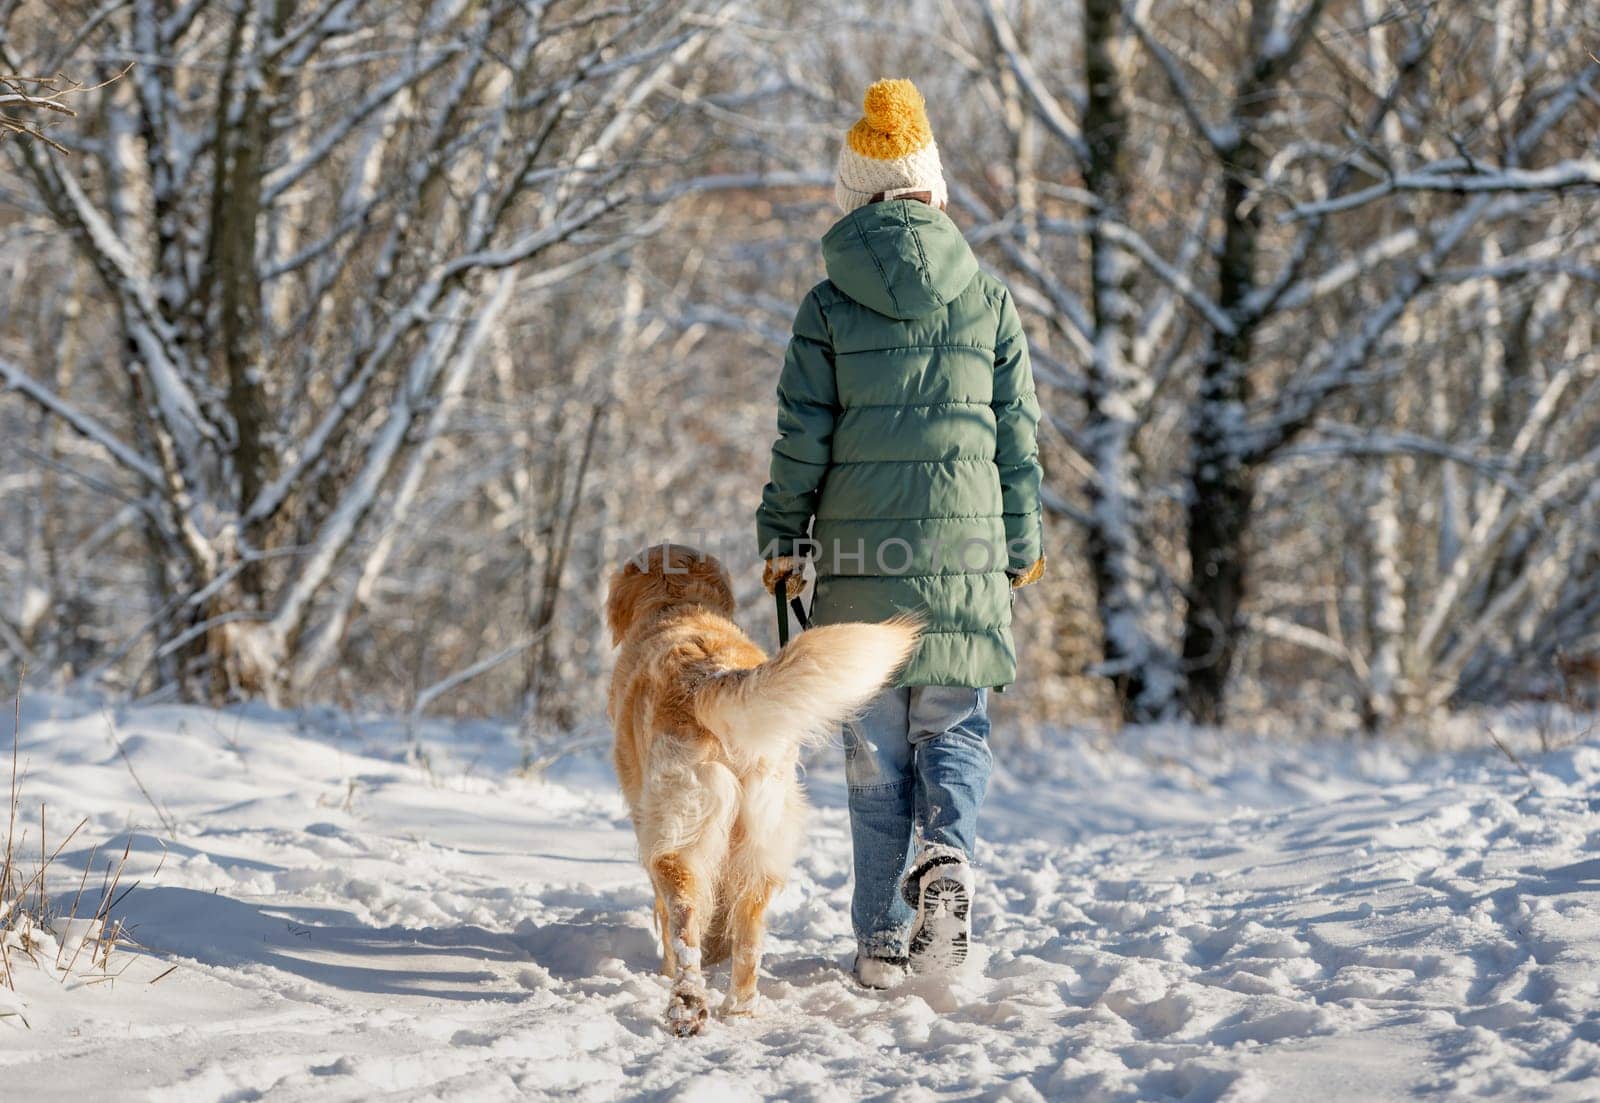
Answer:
(1184, 917)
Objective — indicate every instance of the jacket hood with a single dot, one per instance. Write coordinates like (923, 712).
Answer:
(901, 258)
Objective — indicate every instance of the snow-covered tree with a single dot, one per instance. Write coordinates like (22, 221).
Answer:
(304, 218)
(1308, 171)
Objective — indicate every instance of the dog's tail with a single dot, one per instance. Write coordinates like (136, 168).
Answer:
(802, 695)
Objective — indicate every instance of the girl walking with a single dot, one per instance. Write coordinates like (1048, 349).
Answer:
(906, 472)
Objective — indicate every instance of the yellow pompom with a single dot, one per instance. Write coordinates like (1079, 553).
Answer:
(893, 106)
(894, 123)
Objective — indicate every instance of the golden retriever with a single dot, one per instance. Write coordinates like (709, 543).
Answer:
(708, 732)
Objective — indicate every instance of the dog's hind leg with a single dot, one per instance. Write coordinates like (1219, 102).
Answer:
(669, 967)
(749, 923)
(688, 897)
(688, 809)
(771, 824)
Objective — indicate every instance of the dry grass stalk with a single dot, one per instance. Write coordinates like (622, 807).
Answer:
(29, 923)
(8, 871)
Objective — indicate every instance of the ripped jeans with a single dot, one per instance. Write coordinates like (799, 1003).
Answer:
(917, 764)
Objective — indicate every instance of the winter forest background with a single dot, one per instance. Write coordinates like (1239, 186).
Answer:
(346, 345)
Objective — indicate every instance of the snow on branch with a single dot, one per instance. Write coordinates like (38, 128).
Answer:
(1046, 106)
(1222, 139)
(1280, 628)
(1046, 292)
(1498, 519)
(1359, 265)
(25, 101)
(323, 145)
(1577, 173)
(148, 330)
(461, 677)
(1285, 40)
(1342, 440)
(1344, 355)
(1169, 273)
(1536, 571)
(1517, 267)
(414, 313)
(518, 251)
(14, 378)
(1172, 275)
(41, 98)
(464, 359)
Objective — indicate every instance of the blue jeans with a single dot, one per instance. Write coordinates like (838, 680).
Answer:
(917, 764)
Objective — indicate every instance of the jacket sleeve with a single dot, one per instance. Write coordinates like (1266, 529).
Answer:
(808, 405)
(1016, 417)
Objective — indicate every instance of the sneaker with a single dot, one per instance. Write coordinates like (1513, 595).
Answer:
(880, 972)
(939, 887)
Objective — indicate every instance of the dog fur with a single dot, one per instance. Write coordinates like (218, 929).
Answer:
(708, 733)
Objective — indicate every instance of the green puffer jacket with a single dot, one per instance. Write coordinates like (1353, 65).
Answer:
(906, 420)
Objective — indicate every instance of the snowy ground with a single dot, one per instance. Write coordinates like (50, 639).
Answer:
(1185, 917)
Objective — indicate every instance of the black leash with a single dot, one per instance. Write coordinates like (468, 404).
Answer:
(795, 604)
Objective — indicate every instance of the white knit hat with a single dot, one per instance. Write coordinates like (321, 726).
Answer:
(889, 149)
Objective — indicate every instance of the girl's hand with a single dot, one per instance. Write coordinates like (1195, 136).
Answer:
(787, 569)
(1033, 574)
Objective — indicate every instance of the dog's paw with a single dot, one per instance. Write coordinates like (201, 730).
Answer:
(686, 1012)
(736, 1008)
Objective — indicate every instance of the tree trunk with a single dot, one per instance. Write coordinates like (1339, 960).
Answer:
(235, 289)
(1128, 653)
(1219, 528)
(1384, 695)
(1221, 483)
(1221, 475)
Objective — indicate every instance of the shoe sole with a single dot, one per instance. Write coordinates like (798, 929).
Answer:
(939, 944)
(908, 890)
